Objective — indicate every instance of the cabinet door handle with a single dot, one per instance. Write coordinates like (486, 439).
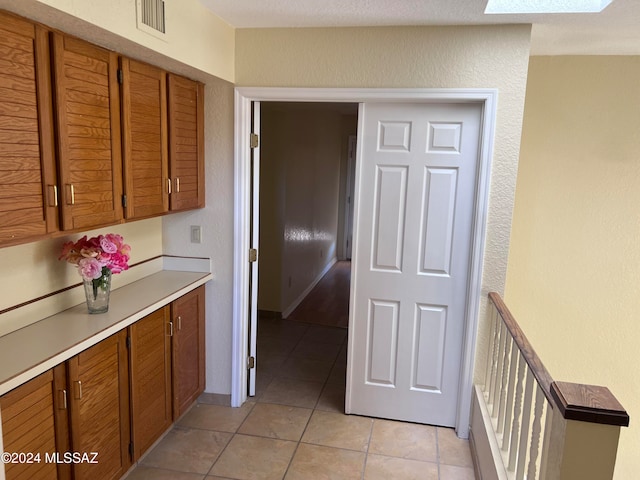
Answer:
(177, 184)
(73, 193)
(54, 194)
(179, 323)
(64, 399)
(79, 384)
(169, 186)
(171, 329)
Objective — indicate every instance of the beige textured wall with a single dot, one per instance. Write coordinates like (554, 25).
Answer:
(574, 267)
(32, 270)
(194, 36)
(395, 57)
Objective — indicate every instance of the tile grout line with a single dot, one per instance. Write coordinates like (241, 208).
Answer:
(366, 455)
(233, 434)
(313, 409)
(438, 450)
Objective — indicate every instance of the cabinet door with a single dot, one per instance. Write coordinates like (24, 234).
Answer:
(34, 420)
(88, 120)
(27, 165)
(144, 133)
(150, 379)
(188, 350)
(186, 148)
(99, 391)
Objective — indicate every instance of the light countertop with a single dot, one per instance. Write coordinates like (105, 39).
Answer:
(34, 349)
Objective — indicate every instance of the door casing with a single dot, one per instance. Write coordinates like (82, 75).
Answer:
(242, 191)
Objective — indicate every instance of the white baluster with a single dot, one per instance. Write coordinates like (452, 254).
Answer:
(494, 362)
(536, 430)
(526, 419)
(492, 329)
(546, 443)
(511, 394)
(499, 384)
(506, 360)
(517, 411)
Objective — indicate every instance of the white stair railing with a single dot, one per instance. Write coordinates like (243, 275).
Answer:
(530, 422)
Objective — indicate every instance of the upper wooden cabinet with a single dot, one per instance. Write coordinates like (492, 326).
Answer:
(186, 143)
(80, 151)
(88, 119)
(27, 165)
(144, 135)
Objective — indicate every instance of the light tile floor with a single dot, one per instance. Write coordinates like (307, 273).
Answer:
(295, 428)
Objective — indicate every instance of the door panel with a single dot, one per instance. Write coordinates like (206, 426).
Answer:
(88, 121)
(28, 201)
(99, 408)
(144, 133)
(391, 193)
(188, 350)
(416, 193)
(186, 142)
(34, 421)
(150, 357)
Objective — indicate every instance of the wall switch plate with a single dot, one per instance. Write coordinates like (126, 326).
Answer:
(196, 234)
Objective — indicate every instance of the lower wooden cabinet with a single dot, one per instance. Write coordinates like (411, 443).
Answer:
(98, 380)
(34, 428)
(150, 354)
(187, 316)
(115, 398)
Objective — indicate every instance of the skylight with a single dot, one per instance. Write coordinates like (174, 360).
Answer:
(545, 6)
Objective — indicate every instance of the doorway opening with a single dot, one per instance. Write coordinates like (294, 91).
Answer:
(245, 99)
(306, 162)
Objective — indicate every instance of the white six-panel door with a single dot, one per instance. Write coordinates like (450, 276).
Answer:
(416, 190)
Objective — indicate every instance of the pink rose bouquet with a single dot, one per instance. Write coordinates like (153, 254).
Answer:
(97, 257)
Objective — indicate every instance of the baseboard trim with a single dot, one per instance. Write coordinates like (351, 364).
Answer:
(289, 310)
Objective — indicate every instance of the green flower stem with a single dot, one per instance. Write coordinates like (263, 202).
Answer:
(101, 282)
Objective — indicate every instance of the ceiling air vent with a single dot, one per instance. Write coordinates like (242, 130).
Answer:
(150, 16)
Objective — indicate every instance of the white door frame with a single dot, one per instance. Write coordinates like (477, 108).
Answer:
(242, 190)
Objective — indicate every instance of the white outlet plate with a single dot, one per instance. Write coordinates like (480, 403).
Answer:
(196, 234)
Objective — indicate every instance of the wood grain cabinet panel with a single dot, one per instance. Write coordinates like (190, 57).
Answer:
(188, 353)
(115, 398)
(27, 164)
(34, 421)
(89, 142)
(99, 408)
(145, 143)
(186, 142)
(150, 354)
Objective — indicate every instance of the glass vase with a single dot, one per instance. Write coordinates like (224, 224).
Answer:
(97, 292)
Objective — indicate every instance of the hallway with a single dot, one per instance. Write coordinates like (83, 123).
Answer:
(295, 427)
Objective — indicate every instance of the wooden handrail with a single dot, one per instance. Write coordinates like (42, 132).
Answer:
(528, 353)
(585, 403)
(589, 403)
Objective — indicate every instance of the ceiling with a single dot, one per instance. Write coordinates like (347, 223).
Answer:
(615, 31)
